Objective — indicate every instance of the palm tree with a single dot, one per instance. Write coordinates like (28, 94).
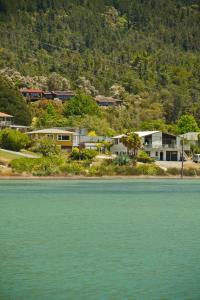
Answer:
(132, 142)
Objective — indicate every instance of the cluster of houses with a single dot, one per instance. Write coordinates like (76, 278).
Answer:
(36, 94)
(158, 145)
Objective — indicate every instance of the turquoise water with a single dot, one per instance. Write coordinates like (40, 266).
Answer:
(106, 240)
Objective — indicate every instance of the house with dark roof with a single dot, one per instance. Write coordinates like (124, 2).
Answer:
(107, 101)
(48, 95)
(63, 95)
(37, 94)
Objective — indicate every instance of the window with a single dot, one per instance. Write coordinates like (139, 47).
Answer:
(50, 136)
(116, 141)
(156, 153)
(62, 137)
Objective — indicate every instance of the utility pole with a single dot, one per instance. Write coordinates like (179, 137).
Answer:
(182, 158)
(79, 142)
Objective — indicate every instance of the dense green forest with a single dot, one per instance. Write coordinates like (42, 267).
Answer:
(146, 52)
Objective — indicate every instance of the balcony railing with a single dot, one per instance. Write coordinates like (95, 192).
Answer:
(165, 146)
(5, 123)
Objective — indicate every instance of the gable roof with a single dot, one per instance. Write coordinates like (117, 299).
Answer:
(2, 115)
(118, 136)
(31, 90)
(145, 133)
(100, 99)
(50, 131)
(140, 133)
(63, 93)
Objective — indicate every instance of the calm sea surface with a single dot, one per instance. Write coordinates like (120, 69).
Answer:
(109, 240)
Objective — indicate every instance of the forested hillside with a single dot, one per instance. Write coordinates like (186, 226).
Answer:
(145, 51)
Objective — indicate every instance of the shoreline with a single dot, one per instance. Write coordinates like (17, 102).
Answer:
(26, 178)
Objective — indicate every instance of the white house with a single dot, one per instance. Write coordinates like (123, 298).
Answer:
(159, 145)
(5, 120)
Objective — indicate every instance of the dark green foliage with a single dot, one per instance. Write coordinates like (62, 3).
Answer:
(13, 140)
(151, 48)
(11, 102)
(81, 105)
(83, 154)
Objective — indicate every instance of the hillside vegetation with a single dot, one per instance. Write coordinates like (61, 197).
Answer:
(146, 52)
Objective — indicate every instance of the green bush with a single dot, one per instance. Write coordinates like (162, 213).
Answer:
(145, 158)
(150, 170)
(189, 172)
(111, 170)
(102, 170)
(73, 168)
(13, 140)
(21, 165)
(186, 172)
(46, 147)
(83, 154)
(44, 166)
(173, 171)
(121, 160)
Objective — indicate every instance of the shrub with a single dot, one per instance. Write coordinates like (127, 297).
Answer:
(198, 172)
(84, 154)
(43, 166)
(88, 154)
(189, 172)
(13, 140)
(21, 165)
(73, 168)
(150, 170)
(46, 147)
(121, 160)
(173, 171)
(145, 158)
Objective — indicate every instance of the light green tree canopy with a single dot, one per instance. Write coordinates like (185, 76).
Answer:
(81, 105)
(132, 142)
(187, 123)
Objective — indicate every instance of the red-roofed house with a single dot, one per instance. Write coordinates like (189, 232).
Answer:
(32, 94)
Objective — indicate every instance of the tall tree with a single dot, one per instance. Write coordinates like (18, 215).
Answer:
(81, 105)
(187, 123)
(132, 142)
(13, 103)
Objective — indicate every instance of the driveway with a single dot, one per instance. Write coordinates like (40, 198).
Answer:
(176, 164)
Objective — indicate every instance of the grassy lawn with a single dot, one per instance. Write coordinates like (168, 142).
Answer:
(8, 156)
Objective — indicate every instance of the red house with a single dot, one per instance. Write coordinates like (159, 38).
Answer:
(32, 94)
